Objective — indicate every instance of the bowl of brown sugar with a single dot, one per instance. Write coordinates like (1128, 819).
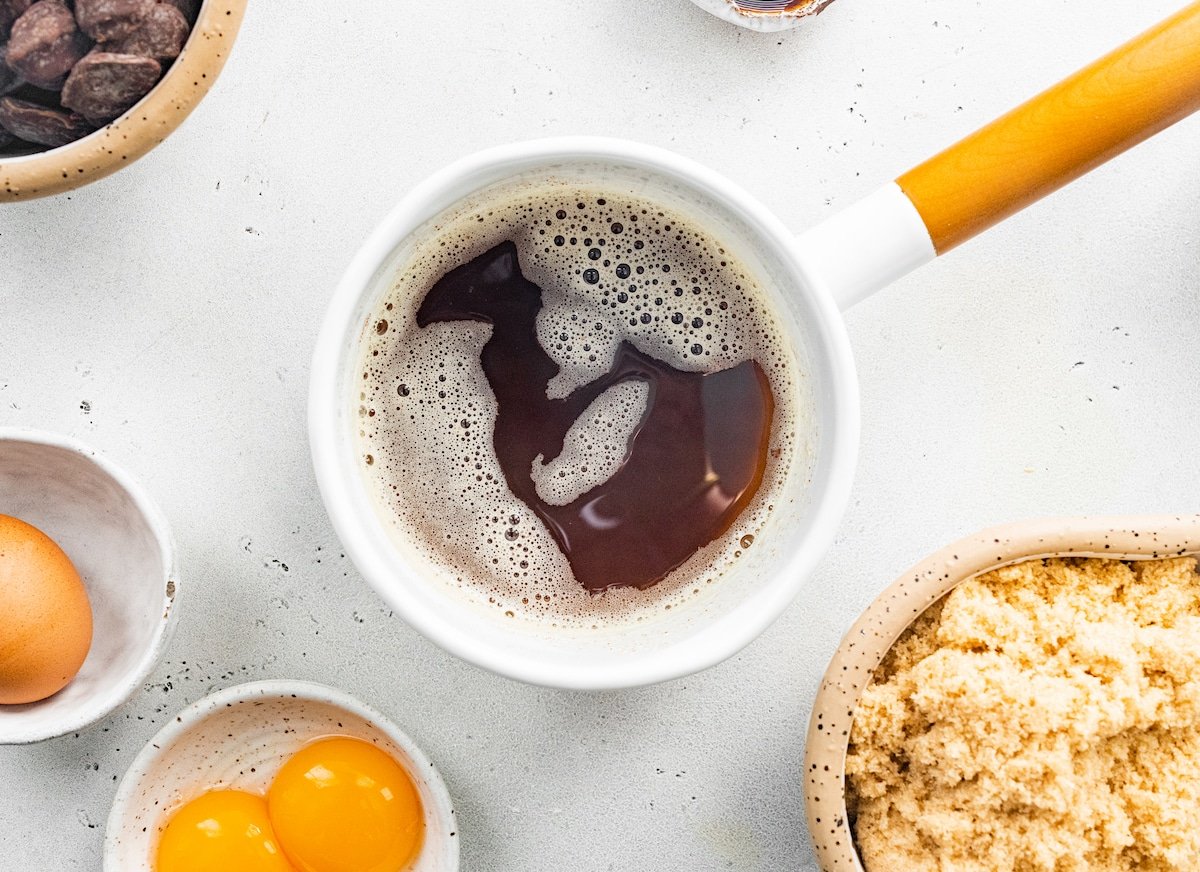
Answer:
(1027, 698)
(89, 86)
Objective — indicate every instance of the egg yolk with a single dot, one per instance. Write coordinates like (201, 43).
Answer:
(221, 831)
(344, 805)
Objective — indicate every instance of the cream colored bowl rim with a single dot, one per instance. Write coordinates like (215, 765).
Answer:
(153, 119)
(1147, 537)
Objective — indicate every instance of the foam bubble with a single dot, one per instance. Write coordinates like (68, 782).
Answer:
(612, 268)
(594, 447)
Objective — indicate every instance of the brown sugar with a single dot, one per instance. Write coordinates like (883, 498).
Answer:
(1043, 716)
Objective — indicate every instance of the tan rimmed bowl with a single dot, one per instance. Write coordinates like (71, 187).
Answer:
(872, 636)
(153, 119)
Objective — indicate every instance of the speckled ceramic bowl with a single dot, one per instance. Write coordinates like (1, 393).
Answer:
(763, 15)
(872, 636)
(239, 738)
(120, 543)
(152, 120)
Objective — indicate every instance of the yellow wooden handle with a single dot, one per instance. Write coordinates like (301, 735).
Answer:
(1128, 96)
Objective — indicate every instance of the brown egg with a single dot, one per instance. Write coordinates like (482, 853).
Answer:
(45, 617)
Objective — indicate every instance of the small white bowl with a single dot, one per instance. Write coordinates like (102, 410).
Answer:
(239, 738)
(763, 21)
(120, 543)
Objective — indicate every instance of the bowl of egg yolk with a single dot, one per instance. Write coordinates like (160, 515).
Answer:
(281, 776)
(87, 586)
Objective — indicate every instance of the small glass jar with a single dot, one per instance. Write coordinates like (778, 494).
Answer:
(765, 15)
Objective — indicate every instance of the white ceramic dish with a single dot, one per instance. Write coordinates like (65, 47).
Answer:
(873, 634)
(704, 630)
(239, 738)
(762, 21)
(120, 543)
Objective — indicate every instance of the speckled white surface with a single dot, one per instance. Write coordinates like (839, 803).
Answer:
(166, 316)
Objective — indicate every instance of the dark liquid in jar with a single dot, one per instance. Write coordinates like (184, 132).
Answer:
(770, 6)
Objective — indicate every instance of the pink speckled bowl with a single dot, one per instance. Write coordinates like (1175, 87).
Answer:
(872, 636)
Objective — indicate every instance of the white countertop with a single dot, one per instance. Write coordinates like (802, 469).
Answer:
(166, 316)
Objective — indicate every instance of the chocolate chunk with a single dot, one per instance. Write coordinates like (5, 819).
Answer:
(104, 84)
(34, 123)
(45, 44)
(111, 19)
(161, 36)
(34, 94)
(9, 80)
(189, 8)
(10, 11)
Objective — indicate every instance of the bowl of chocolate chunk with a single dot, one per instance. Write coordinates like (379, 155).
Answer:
(1027, 698)
(89, 86)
